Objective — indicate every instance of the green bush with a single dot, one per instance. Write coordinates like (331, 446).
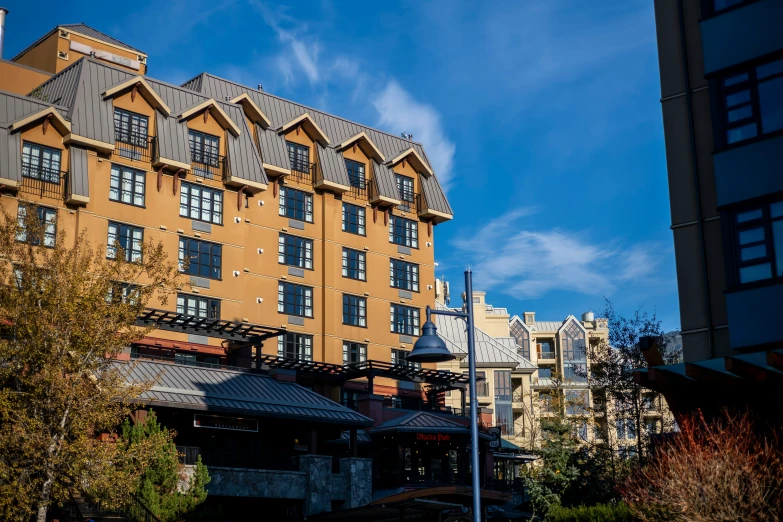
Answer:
(597, 513)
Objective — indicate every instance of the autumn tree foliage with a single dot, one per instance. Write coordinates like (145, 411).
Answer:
(66, 310)
(728, 469)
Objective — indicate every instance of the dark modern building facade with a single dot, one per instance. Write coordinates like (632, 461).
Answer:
(721, 66)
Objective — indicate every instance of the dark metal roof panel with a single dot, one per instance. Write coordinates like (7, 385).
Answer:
(86, 30)
(433, 192)
(14, 107)
(333, 166)
(172, 140)
(206, 388)
(194, 84)
(79, 183)
(273, 148)
(243, 159)
(61, 88)
(384, 180)
(10, 155)
(421, 420)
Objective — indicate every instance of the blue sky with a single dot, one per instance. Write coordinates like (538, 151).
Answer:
(541, 117)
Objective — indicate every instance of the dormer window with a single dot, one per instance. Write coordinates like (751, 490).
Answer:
(39, 162)
(356, 173)
(299, 156)
(131, 135)
(205, 154)
(405, 189)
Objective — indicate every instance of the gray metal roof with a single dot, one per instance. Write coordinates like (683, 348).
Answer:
(79, 181)
(421, 420)
(489, 350)
(79, 89)
(191, 387)
(384, 180)
(545, 326)
(333, 166)
(86, 30)
(281, 111)
(273, 148)
(14, 107)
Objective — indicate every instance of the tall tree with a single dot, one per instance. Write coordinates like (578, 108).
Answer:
(66, 311)
(610, 377)
(162, 486)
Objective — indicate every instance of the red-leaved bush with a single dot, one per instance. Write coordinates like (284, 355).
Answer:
(727, 469)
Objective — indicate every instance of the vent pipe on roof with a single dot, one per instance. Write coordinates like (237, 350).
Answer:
(3, 12)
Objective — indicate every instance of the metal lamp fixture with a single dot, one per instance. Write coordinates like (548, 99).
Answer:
(431, 348)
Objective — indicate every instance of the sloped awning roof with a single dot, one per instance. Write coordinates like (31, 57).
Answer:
(208, 389)
(423, 422)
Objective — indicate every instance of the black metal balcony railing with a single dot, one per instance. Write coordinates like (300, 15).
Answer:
(303, 172)
(405, 403)
(407, 200)
(133, 146)
(42, 181)
(208, 166)
(359, 187)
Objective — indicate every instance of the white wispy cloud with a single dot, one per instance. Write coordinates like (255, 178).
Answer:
(532, 263)
(399, 112)
(304, 56)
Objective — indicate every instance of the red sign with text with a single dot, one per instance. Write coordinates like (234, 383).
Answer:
(433, 437)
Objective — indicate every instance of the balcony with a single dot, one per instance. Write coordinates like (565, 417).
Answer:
(405, 403)
(303, 173)
(42, 181)
(359, 188)
(408, 200)
(546, 354)
(133, 146)
(208, 166)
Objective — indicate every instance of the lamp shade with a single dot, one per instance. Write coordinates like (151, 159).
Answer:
(430, 347)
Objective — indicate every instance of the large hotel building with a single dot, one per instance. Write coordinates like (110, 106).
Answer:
(283, 218)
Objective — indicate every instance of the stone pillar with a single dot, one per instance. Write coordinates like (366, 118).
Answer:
(318, 494)
(358, 476)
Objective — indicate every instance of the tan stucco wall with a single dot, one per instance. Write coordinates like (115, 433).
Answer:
(44, 56)
(20, 79)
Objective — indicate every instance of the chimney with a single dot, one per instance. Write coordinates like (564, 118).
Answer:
(530, 318)
(3, 12)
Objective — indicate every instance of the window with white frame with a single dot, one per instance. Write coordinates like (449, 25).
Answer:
(127, 185)
(296, 204)
(354, 264)
(295, 299)
(354, 352)
(404, 320)
(295, 346)
(403, 275)
(128, 238)
(47, 226)
(201, 203)
(354, 310)
(295, 251)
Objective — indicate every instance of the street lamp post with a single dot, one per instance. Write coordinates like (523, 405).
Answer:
(431, 348)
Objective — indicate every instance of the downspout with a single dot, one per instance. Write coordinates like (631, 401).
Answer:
(695, 161)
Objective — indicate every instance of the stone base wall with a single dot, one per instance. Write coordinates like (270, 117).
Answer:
(314, 483)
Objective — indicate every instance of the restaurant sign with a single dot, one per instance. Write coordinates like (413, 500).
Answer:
(433, 437)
